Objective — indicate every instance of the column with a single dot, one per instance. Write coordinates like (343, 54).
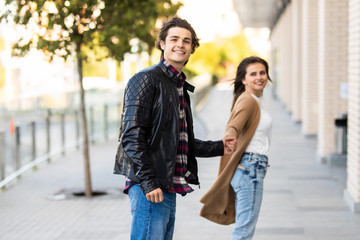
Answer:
(281, 57)
(309, 67)
(333, 70)
(352, 192)
(296, 76)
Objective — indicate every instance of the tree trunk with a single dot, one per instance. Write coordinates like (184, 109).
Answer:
(88, 187)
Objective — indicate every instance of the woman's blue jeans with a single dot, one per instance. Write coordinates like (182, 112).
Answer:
(247, 184)
(151, 221)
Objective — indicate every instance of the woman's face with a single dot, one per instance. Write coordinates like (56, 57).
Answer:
(255, 79)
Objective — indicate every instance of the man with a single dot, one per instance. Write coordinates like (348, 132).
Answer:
(157, 146)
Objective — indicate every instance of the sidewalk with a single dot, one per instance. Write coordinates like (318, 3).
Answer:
(303, 199)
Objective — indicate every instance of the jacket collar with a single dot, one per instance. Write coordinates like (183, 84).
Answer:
(173, 76)
(189, 87)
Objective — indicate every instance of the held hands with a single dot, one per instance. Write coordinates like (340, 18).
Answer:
(155, 196)
(229, 145)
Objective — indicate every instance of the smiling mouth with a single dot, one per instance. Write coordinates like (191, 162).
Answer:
(179, 52)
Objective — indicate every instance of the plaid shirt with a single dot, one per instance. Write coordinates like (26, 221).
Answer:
(180, 184)
(181, 173)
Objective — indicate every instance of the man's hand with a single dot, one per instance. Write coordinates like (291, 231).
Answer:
(155, 196)
(229, 145)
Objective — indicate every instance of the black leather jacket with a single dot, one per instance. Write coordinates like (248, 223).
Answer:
(151, 130)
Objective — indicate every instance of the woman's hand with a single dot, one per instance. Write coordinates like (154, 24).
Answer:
(229, 145)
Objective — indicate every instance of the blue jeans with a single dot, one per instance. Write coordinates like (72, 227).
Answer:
(247, 184)
(151, 221)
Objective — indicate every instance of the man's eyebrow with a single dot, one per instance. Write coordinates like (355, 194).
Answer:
(175, 36)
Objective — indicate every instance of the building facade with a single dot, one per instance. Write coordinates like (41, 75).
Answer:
(315, 66)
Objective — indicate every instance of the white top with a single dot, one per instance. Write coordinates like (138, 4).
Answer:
(260, 142)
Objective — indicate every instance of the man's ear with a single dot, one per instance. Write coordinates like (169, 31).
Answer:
(162, 45)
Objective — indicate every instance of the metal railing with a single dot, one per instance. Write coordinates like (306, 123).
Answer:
(34, 141)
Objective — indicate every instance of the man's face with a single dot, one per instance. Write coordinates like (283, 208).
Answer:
(177, 47)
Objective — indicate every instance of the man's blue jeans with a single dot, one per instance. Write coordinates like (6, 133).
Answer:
(247, 184)
(151, 221)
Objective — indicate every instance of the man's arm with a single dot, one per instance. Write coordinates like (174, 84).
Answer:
(214, 148)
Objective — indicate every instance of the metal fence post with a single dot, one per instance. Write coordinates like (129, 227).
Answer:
(48, 139)
(106, 124)
(62, 125)
(33, 138)
(2, 154)
(17, 148)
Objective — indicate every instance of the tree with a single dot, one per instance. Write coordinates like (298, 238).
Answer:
(211, 56)
(63, 28)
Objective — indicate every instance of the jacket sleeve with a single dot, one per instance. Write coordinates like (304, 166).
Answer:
(208, 148)
(139, 95)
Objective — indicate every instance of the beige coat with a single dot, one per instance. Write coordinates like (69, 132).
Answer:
(219, 201)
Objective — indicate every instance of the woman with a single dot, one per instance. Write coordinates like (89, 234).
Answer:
(237, 192)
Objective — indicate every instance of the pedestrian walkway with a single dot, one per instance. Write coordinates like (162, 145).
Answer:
(303, 199)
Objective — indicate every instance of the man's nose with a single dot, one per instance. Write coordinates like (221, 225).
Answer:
(180, 43)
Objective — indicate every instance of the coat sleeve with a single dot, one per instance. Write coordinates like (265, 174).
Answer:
(139, 95)
(239, 117)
